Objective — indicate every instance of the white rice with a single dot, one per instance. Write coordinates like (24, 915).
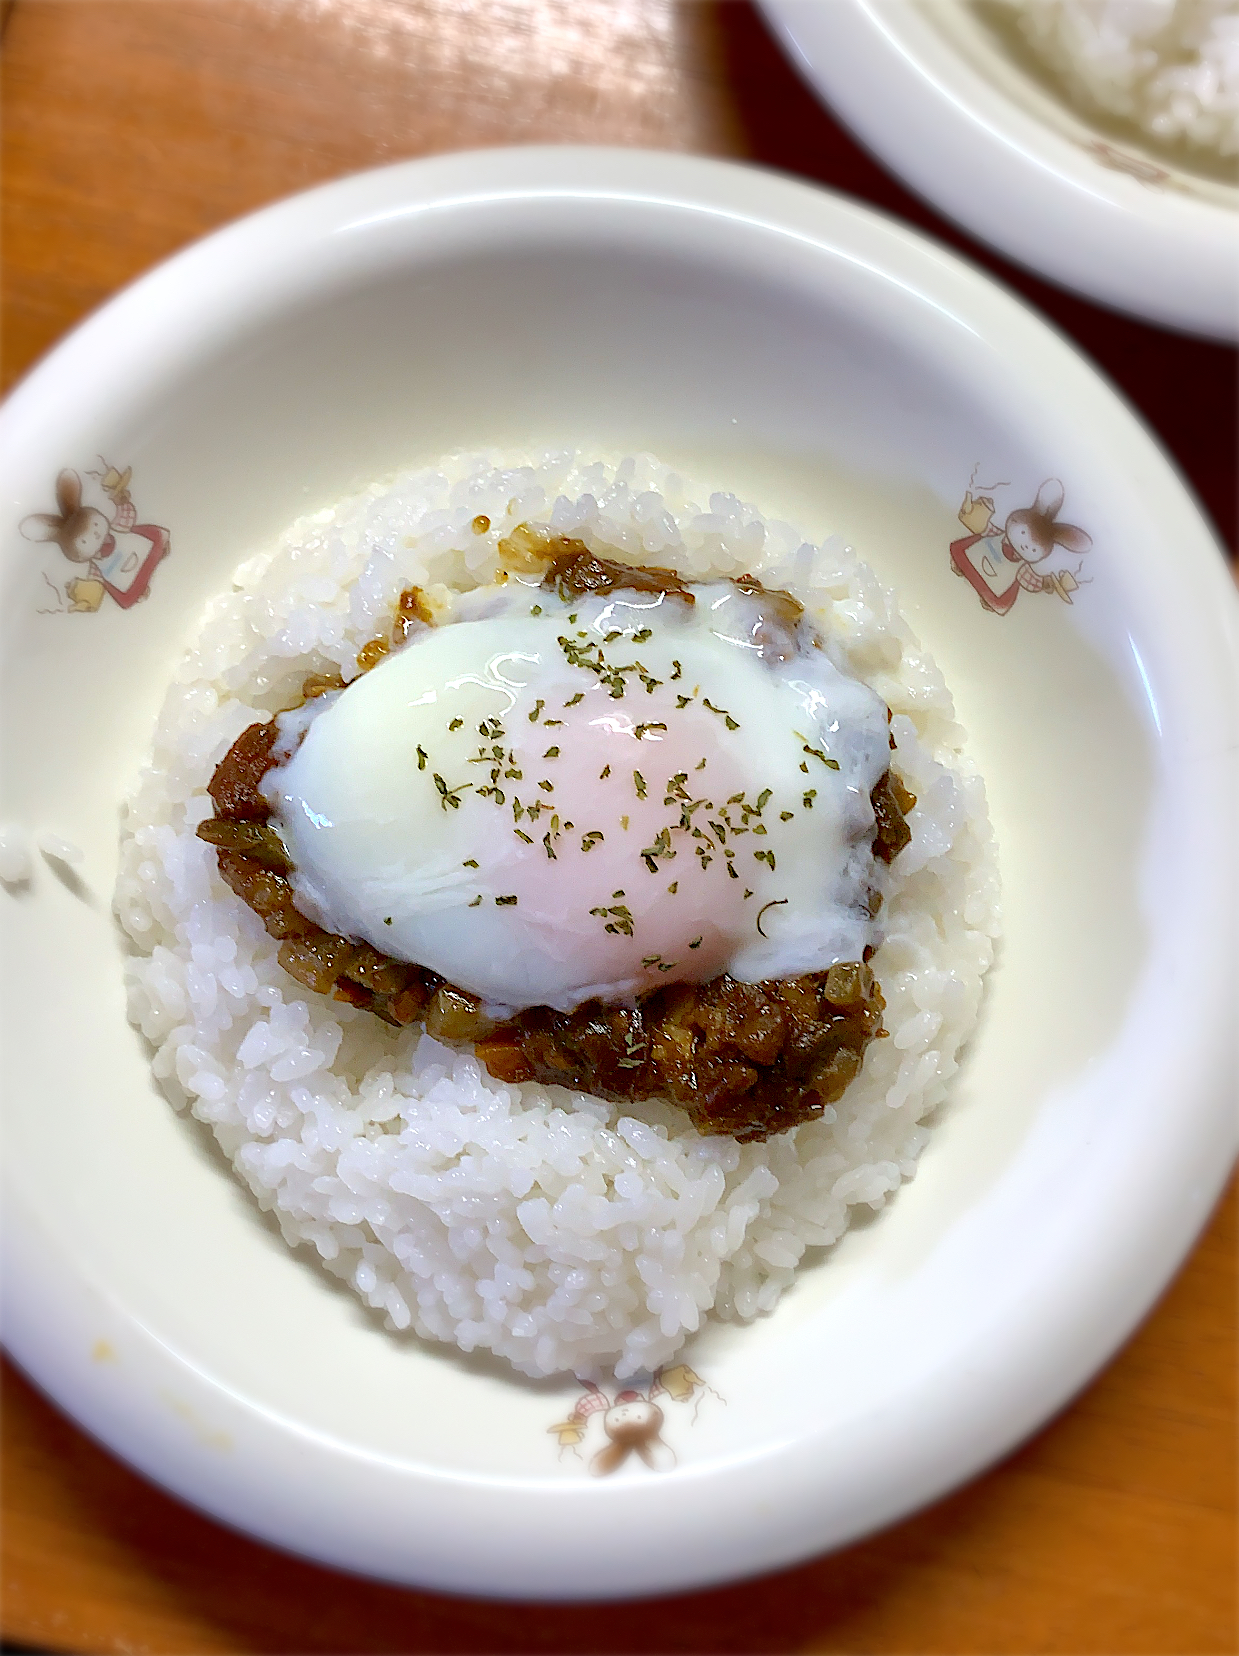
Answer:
(59, 848)
(559, 1231)
(1169, 66)
(15, 865)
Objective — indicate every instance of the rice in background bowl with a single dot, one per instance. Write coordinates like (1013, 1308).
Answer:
(1168, 67)
(557, 1230)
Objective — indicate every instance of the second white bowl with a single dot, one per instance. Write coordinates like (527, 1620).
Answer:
(930, 90)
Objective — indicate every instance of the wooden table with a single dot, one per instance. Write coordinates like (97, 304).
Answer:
(131, 126)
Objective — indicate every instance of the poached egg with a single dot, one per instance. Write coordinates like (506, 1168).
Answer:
(547, 800)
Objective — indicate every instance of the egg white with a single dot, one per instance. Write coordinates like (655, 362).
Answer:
(664, 804)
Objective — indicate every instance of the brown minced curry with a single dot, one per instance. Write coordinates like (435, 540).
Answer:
(744, 1059)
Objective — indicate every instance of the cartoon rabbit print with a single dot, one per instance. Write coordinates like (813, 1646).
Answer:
(115, 484)
(633, 1424)
(1000, 563)
(118, 555)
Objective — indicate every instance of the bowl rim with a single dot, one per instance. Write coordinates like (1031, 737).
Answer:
(989, 163)
(524, 1529)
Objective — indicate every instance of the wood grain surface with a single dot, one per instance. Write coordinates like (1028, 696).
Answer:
(132, 126)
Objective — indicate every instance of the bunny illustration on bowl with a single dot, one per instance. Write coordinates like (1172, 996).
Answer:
(115, 484)
(1000, 562)
(633, 1422)
(119, 555)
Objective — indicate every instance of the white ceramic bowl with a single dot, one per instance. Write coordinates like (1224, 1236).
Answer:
(843, 372)
(936, 95)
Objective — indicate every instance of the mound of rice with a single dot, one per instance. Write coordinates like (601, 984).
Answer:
(1169, 66)
(559, 1231)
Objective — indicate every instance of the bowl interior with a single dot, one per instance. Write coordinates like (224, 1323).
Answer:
(836, 380)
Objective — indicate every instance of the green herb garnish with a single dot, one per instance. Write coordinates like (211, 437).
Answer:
(449, 797)
(722, 713)
(621, 921)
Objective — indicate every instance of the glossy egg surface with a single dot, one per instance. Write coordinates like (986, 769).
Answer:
(549, 799)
